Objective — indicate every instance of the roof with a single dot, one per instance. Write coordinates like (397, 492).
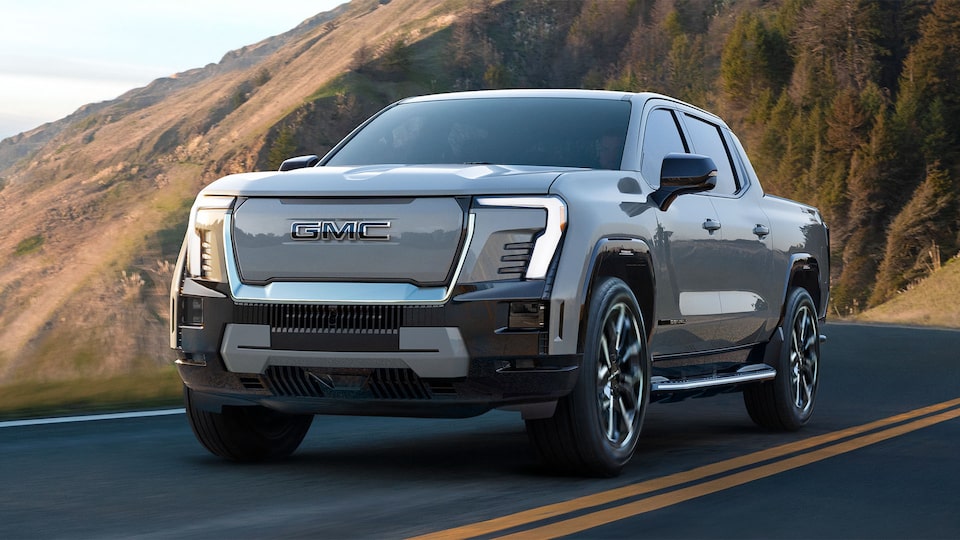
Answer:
(574, 93)
(534, 93)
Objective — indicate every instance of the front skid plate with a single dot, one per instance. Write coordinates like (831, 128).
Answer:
(431, 352)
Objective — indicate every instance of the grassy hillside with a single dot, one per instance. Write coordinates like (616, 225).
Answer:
(934, 301)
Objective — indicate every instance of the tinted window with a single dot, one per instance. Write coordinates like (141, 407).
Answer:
(660, 137)
(708, 142)
(509, 131)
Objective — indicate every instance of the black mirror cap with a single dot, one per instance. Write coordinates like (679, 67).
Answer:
(684, 173)
(299, 162)
(687, 170)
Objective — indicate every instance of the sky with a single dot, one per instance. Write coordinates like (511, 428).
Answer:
(57, 55)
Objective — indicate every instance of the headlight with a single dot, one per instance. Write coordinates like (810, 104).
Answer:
(205, 251)
(537, 257)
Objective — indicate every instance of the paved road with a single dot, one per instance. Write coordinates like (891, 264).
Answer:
(879, 460)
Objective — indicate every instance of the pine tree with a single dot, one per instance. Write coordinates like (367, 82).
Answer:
(919, 233)
(754, 61)
(881, 172)
(283, 147)
(930, 85)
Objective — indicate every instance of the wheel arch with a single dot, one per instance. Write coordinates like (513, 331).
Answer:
(629, 260)
(804, 271)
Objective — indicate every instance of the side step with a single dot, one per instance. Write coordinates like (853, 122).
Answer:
(751, 373)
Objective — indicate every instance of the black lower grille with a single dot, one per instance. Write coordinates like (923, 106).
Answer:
(321, 318)
(292, 381)
(335, 319)
(345, 383)
(252, 383)
(397, 384)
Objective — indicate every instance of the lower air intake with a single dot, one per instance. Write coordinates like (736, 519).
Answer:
(292, 381)
(397, 384)
(385, 383)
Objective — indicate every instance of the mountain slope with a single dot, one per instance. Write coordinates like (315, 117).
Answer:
(95, 215)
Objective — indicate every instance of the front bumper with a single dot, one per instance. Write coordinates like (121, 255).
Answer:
(455, 360)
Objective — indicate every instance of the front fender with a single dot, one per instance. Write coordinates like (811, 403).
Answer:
(628, 259)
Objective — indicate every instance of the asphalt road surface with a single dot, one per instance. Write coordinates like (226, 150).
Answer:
(878, 460)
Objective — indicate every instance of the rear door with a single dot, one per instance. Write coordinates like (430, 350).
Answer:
(743, 262)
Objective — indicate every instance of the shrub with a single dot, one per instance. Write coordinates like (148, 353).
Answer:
(28, 245)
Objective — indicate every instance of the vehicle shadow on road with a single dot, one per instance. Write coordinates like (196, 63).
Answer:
(495, 444)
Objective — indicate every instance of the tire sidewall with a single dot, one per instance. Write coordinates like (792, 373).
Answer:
(246, 434)
(792, 417)
(610, 457)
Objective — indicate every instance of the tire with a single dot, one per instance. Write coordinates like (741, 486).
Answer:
(246, 433)
(786, 403)
(595, 428)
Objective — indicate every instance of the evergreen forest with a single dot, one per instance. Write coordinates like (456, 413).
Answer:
(850, 105)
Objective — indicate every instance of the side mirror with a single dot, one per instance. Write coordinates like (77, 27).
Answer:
(681, 174)
(299, 162)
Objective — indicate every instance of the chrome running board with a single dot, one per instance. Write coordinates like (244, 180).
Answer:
(751, 373)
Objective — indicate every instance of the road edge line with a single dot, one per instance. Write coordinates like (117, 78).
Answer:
(89, 418)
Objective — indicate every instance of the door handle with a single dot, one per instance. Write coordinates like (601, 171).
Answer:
(711, 225)
(761, 230)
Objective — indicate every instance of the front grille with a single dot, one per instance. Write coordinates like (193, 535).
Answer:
(363, 319)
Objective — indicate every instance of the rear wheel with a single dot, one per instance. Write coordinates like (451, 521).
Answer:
(247, 433)
(786, 403)
(595, 428)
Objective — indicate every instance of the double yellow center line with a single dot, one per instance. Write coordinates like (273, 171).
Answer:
(808, 451)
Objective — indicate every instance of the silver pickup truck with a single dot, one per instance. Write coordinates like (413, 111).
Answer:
(572, 255)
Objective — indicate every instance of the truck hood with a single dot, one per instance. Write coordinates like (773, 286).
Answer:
(390, 181)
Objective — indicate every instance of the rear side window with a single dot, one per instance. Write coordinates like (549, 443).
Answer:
(707, 141)
(565, 132)
(661, 136)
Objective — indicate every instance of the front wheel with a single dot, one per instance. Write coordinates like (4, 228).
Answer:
(246, 433)
(595, 428)
(786, 403)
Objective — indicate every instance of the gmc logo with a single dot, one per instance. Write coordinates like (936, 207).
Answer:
(344, 230)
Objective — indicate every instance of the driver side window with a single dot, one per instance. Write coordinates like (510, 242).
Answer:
(661, 136)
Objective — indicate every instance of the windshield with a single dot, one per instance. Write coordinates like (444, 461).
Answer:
(564, 132)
